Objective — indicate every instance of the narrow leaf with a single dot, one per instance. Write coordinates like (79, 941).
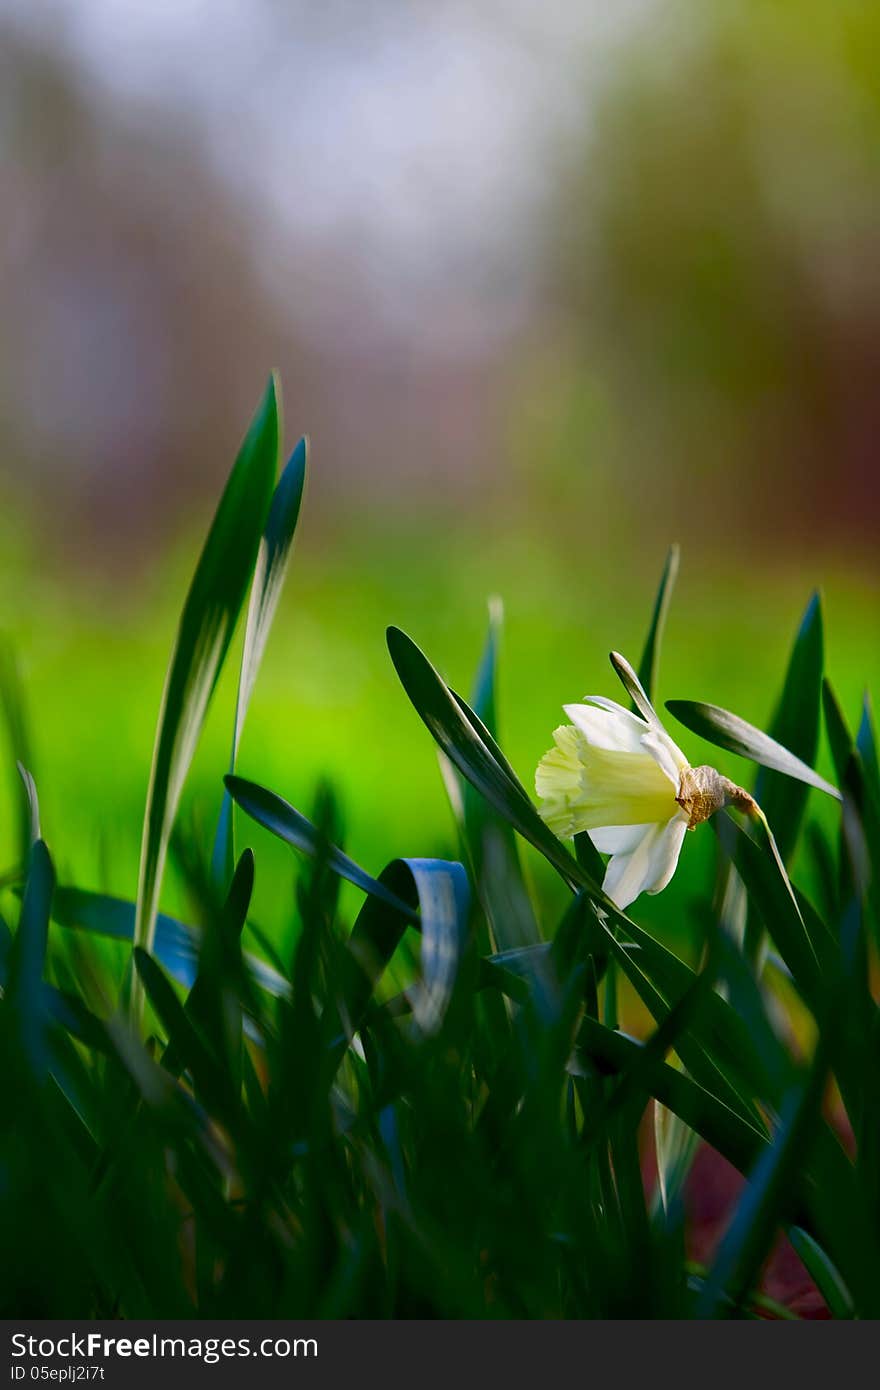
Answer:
(730, 732)
(269, 575)
(795, 726)
(278, 816)
(206, 627)
(650, 662)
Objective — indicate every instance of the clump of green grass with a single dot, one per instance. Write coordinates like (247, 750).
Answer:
(200, 1122)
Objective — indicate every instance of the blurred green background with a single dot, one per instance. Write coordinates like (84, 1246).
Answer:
(549, 287)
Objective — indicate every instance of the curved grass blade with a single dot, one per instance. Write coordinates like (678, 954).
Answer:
(823, 1272)
(444, 902)
(33, 803)
(650, 662)
(740, 1141)
(206, 627)
(730, 732)
(278, 816)
(441, 897)
(269, 575)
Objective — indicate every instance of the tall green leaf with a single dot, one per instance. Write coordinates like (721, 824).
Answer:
(489, 840)
(25, 990)
(12, 704)
(206, 627)
(795, 726)
(271, 569)
(650, 662)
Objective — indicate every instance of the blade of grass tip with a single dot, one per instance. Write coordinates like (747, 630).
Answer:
(484, 701)
(650, 662)
(823, 1272)
(634, 688)
(183, 1037)
(12, 703)
(270, 573)
(206, 627)
(32, 801)
(866, 743)
(725, 730)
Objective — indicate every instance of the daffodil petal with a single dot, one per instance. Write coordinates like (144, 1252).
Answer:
(666, 756)
(617, 839)
(647, 867)
(673, 839)
(612, 728)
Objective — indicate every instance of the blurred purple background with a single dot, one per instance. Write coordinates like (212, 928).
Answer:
(559, 255)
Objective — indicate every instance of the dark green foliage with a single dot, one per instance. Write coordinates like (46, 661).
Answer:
(431, 1111)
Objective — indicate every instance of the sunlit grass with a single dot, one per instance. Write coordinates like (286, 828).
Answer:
(396, 1079)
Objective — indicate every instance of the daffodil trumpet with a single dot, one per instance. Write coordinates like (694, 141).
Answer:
(620, 777)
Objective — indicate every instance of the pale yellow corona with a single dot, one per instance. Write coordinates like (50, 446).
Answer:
(623, 780)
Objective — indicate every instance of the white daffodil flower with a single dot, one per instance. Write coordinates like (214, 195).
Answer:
(623, 779)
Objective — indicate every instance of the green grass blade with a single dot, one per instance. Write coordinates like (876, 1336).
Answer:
(269, 575)
(206, 627)
(444, 903)
(32, 802)
(14, 709)
(471, 749)
(650, 662)
(489, 840)
(823, 1272)
(740, 1141)
(795, 726)
(808, 954)
(278, 816)
(25, 991)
